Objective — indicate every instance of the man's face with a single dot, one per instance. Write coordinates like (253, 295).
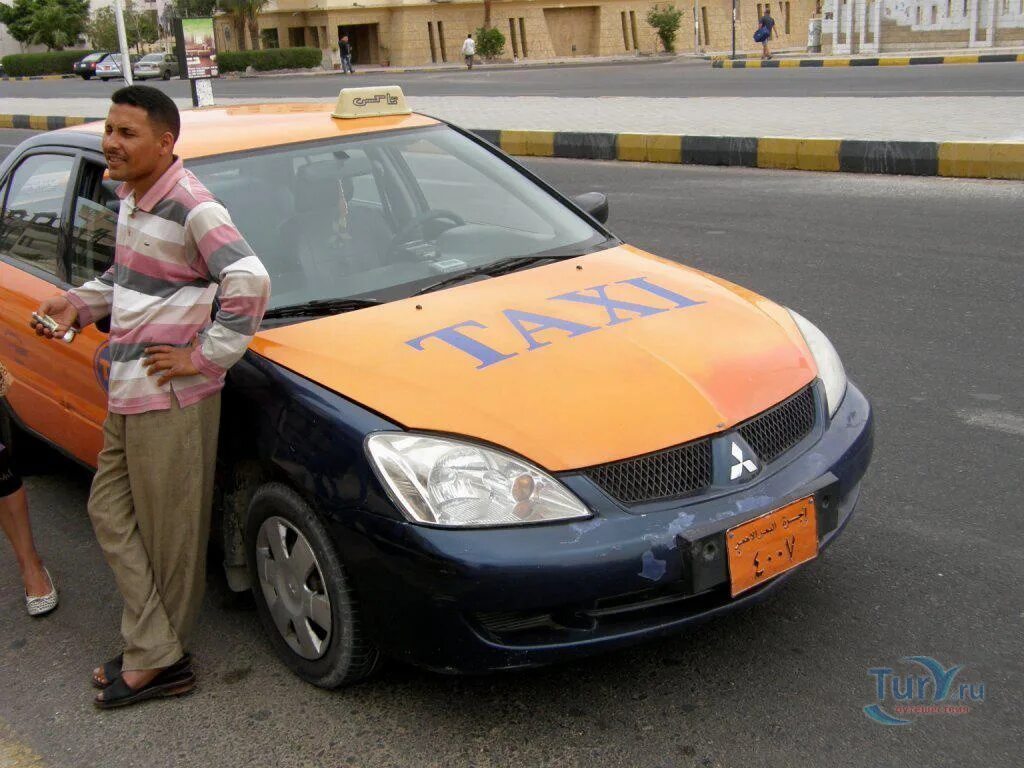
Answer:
(132, 144)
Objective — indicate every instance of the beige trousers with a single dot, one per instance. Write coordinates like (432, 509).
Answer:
(150, 507)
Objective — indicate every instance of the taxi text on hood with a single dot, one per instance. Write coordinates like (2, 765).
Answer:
(577, 363)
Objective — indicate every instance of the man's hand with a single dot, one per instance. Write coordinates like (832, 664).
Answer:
(171, 362)
(61, 310)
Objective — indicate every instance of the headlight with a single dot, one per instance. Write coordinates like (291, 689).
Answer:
(445, 482)
(830, 367)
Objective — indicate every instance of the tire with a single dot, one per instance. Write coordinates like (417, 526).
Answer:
(326, 656)
(104, 79)
(166, 75)
(86, 77)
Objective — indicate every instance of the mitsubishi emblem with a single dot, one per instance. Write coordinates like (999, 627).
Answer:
(741, 465)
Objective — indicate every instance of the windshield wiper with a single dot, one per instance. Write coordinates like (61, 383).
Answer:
(320, 307)
(495, 268)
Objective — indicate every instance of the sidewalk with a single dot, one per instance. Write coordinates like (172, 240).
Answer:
(917, 118)
(790, 59)
(879, 135)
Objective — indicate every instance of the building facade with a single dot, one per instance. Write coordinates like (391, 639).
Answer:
(875, 26)
(416, 32)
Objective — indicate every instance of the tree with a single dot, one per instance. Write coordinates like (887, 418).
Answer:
(53, 23)
(489, 42)
(666, 22)
(139, 28)
(190, 9)
(235, 10)
(487, 14)
(252, 10)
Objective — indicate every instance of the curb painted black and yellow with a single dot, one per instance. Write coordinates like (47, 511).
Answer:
(964, 159)
(982, 160)
(878, 61)
(22, 78)
(43, 122)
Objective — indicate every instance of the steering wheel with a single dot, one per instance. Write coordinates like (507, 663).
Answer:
(402, 236)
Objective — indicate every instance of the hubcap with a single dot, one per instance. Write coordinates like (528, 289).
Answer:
(294, 587)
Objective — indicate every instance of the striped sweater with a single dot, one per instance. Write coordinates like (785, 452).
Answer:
(175, 247)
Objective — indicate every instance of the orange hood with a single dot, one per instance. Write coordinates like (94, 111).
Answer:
(576, 363)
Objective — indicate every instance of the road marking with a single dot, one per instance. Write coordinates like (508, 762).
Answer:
(1001, 421)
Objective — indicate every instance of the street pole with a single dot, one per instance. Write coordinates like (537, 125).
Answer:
(733, 29)
(122, 41)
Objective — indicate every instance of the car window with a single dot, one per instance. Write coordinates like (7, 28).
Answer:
(34, 211)
(386, 214)
(94, 225)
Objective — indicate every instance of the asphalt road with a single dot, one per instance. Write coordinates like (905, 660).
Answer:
(917, 281)
(664, 79)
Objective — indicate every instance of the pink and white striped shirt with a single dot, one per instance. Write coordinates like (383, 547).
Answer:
(175, 247)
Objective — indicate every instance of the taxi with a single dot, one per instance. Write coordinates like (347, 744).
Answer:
(476, 431)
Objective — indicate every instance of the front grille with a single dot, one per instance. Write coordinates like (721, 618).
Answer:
(778, 429)
(666, 474)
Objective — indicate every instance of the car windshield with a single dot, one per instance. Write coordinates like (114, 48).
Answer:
(153, 57)
(94, 57)
(386, 215)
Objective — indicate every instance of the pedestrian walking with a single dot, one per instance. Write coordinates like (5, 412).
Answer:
(469, 51)
(151, 496)
(40, 591)
(345, 49)
(765, 29)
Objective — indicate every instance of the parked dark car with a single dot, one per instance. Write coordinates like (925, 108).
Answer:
(86, 67)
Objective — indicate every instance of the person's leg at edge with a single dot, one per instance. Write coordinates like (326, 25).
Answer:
(15, 522)
(149, 641)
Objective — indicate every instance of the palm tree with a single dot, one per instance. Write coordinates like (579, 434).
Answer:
(252, 9)
(487, 14)
(236, 11)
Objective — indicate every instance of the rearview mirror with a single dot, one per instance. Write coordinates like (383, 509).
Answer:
(594, 203)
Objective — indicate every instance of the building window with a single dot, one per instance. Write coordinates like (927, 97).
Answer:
(269, 38)
(296, 37)
(433, 45)
(522, 36)
(625, 30)
(632, 24)
(440, 39)
(785, 16)
(704, 23)
(513, 38)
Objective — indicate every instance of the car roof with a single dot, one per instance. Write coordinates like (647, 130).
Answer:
(223, 130)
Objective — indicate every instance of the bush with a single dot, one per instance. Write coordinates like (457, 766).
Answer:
(666, 22)
(274, 58)
(489, 42)
(52, 63)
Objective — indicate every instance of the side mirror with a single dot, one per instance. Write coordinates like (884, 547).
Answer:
(594, 203)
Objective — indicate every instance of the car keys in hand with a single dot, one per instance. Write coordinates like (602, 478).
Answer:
(48, 322)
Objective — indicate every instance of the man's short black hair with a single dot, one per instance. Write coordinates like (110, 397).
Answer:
(160, 107)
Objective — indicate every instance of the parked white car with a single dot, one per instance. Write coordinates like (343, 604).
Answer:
(162, 65)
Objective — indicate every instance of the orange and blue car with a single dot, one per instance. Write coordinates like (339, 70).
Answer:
(476, 431)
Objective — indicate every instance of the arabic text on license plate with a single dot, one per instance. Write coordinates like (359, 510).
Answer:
(772, 544)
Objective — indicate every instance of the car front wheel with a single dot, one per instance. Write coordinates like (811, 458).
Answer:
(166, 75)
(86, 77)
(303, 596)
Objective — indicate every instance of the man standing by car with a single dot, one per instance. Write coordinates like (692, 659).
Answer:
(469, 51)
(151, 496)
(345, 49)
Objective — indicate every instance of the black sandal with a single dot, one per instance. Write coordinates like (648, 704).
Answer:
(173, 681)
(112, 670)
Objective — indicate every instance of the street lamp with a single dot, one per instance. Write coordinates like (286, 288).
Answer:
(733, 29)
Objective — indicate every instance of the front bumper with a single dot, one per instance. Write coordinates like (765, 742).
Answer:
(481, 600)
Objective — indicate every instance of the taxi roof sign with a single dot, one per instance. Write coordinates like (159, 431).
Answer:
(371, 102)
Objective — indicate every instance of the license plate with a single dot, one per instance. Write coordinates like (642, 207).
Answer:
(771, 544)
